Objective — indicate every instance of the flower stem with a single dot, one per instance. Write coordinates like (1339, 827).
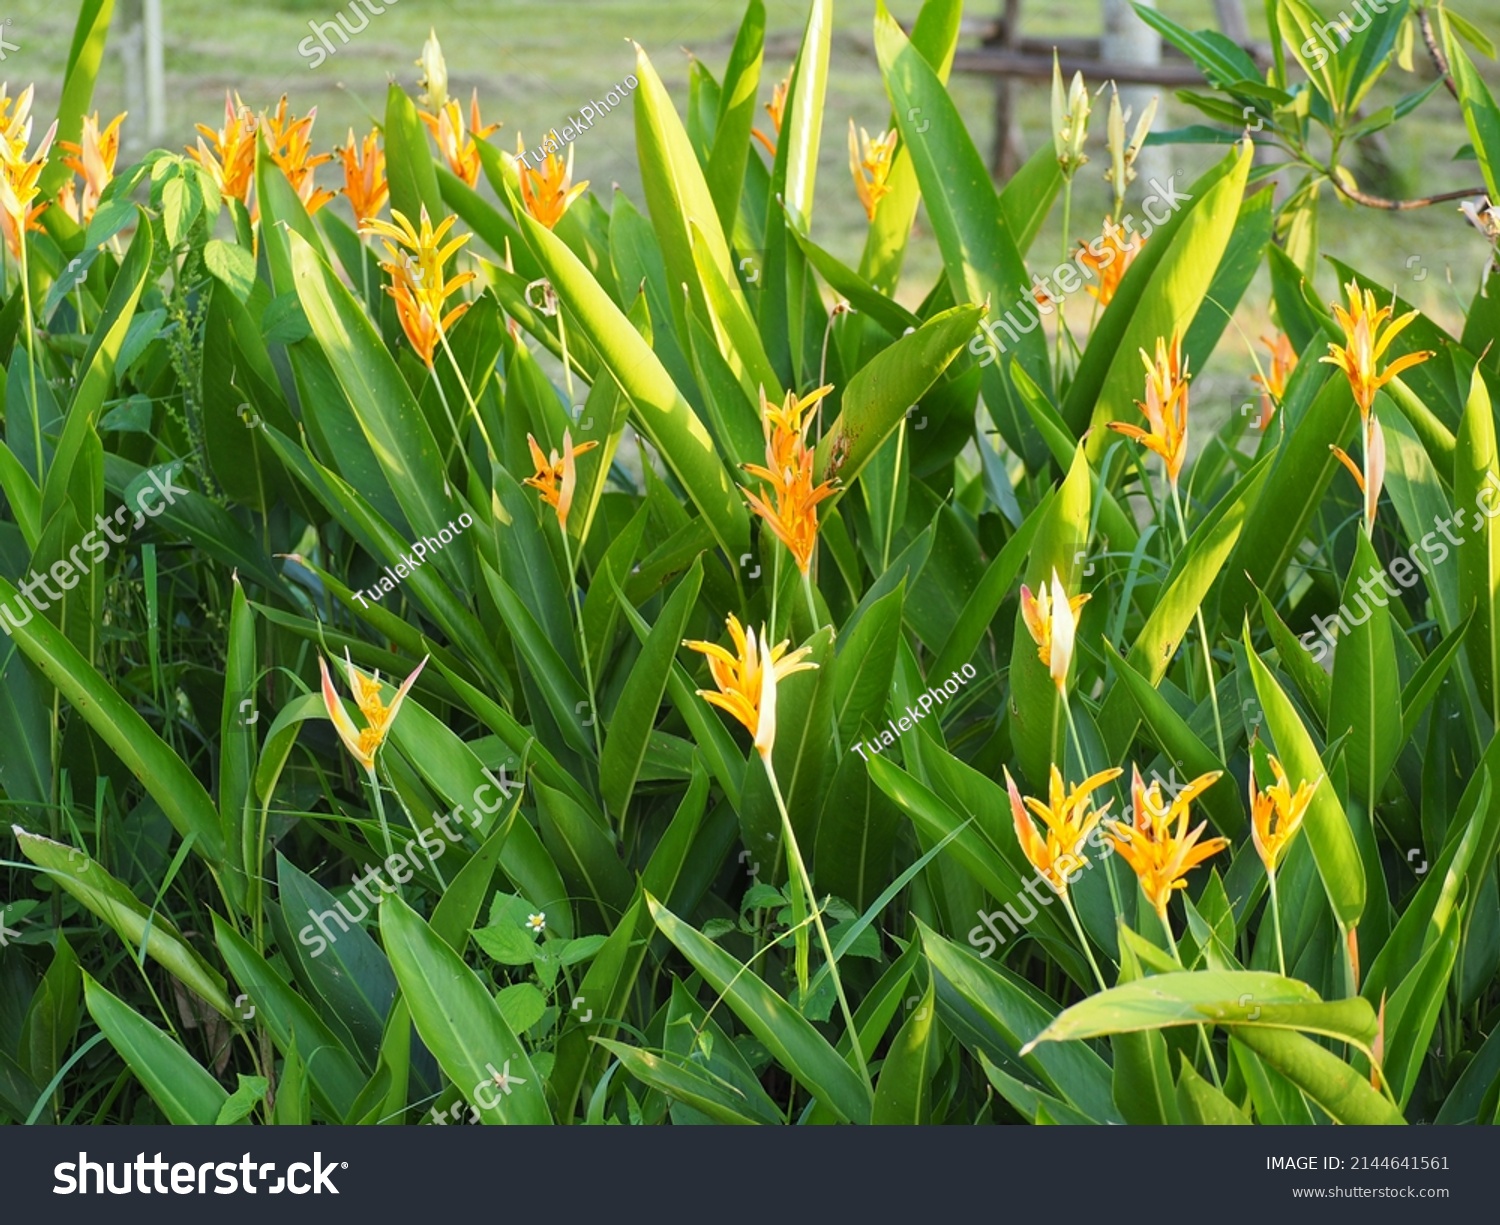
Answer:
(1067, 225)
(1083, 940)
(588, 667)
(1208, 663)
(469, 397)
(794, 858)
(1276, 922)
(385, 829)
(1208, 1050)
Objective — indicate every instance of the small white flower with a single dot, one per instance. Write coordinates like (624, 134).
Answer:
(537, 922)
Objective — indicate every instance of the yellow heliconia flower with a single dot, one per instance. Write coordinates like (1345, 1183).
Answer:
(1051, 619)
(1276, 814)
(557, 475)
(545, 191)
(747, 679)
(1365, 343)
(1112, 261)
(789, 470)
(1122, 156)
(1070, 120)
(1165, 406)
(18, 171)
(231, 160)
(93, 159)
(417, 285)
(364, 743)
(870, 164)
(1372, 480)
(290, 142)
(1273, 384)
(1068, 817)
(457, 145)
(364, 177)
(1161, 853)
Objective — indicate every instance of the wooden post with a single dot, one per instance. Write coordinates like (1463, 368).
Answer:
(1007, 150)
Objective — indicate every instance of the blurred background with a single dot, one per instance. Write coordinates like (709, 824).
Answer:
(536, 64)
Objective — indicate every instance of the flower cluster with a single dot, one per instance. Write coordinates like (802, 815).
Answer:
(789, 471)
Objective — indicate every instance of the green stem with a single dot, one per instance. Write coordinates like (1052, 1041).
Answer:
(794, 856)
(1208, 1050)
(1276, 921)
(385, 829)
(489, 446)
(1083, 940)
(1208, 663)
(890, 518)
(588, 667)
(1067, 226)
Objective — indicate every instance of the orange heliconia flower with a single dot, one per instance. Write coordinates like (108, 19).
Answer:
(18, 172)
(1165, 406)
(364, 743)
(747, 678)
(557, 475)
(1276, 814)
(93, 158)
(290, 142)
(1112, 261)
(870, 164)
(456, 144)
(1068, 817)
(1051, 618)
(364, 177)
(231, 160)
(789, 471)
(1273, 384)
(1161, 853)
(1365, 343)
(775, 108)
(545, 191)
(417, 285)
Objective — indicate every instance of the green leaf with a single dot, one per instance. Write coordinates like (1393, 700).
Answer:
(725, 171)
(1325, 1078)
(459, 1020)
(252, 1089)
(903, 1095)
(683, 1082)
(1203, 1105)
(1327, 826)
(790, 1038)
(409, 165)
(1476, 483)
(1481, 115)
(85, 55)
(176, 1081)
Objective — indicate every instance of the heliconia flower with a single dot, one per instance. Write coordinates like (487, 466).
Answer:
(1068, 817)
(93, 159)
(1070, 120)
(231, 160)
(1165, 406)
(1372, 480)
(1365, 343)
(434, 68)
(789, 470)
(364, 177)
(417, 285)
(557, 475)
(290, 142)
(747, 679)
(364, 743)
(1122, 156)
(1112, 261)
(1276, 814)
(1051, 619)
(455, 144)
(1160, 852)
(870, 164)
(775, 108)
(545, 191)
(1273, 383)
(18, 171)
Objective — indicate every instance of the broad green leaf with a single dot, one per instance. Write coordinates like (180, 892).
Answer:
(1326, 1079)
(1476, 485)
(903, 1094)
(683, 1082)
